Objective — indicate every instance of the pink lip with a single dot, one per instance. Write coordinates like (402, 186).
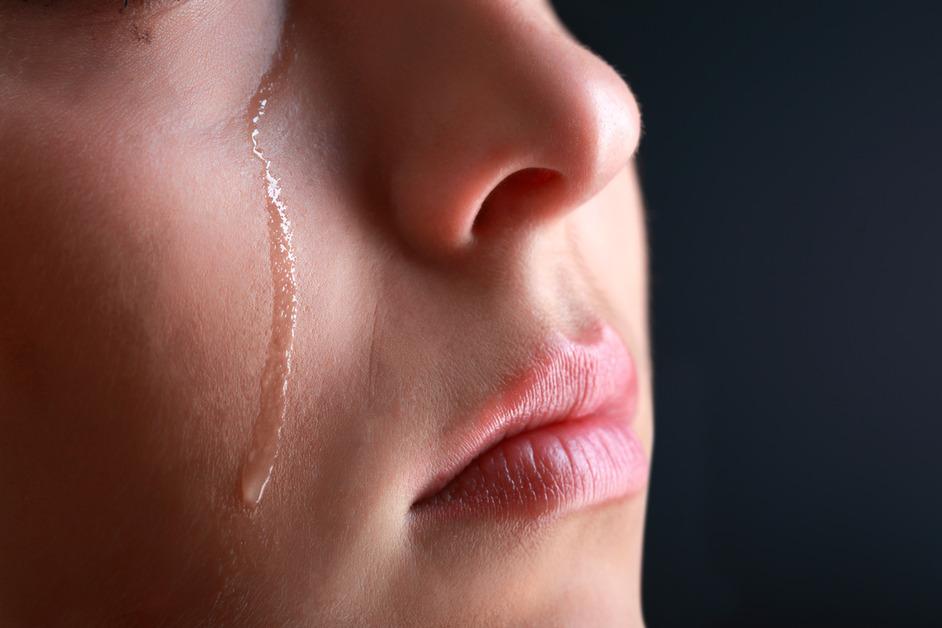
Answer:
(558, 439)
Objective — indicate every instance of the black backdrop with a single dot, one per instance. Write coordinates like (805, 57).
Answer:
(791, 166)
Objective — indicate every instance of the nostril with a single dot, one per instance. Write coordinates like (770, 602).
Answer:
(530, 176)
(519, 198)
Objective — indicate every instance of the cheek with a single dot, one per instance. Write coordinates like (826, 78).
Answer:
(131, 341)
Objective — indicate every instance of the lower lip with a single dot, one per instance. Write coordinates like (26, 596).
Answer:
(555, 469)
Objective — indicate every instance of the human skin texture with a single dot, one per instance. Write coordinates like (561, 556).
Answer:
(136, 307)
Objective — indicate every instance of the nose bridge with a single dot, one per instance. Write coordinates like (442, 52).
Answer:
(470, 95)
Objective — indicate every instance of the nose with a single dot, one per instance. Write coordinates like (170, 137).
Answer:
(502, 123)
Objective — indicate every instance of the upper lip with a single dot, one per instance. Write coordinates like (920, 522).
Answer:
(567, 380)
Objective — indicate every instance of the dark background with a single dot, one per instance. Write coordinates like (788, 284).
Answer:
(791, 165)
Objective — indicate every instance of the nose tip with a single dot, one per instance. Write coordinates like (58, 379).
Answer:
(591, 129)
(520, 133)
(605, 130)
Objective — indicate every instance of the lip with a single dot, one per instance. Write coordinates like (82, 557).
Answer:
(558, 439)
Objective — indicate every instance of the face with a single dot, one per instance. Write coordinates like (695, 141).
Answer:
(315, 313)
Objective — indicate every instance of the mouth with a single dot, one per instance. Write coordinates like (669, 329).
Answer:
(558, 439)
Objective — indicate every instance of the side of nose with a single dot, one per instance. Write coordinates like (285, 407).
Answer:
(501, 123)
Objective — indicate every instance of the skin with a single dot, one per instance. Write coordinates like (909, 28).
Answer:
(136, 306)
